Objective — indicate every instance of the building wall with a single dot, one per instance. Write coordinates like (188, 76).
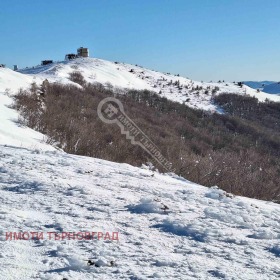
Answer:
(83, 52)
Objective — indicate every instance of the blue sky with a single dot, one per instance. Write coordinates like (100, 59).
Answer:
(200, 39)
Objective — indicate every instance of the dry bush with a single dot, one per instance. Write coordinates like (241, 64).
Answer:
(239, 154)
(77, 77)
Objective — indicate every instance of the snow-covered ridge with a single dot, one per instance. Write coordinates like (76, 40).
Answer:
(195, 94)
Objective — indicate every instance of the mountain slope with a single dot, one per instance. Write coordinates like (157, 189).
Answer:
(168, 227)
(13, 80)
(272, 88)
(265, 86)
(203, 233)
(195, 94)
(257, 85)
(14, 134)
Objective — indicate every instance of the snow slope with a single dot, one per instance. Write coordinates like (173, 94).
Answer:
(265, 86)
(12, 81)
(169, 228)
(272, 88)
(204, 234)
(14, 134)
(257, 85)
(194, 94)
(11, 132)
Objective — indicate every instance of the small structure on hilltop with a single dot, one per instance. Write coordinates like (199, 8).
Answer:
(15, 67)
(70, 56)
(2, 65)
(83, 52)
(46, 62)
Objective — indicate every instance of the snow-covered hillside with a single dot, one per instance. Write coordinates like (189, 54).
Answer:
(194, 94)
(265, 86)
(12, 80)
(168, 227)
(11, 132)
(257, 85)
(272, 88)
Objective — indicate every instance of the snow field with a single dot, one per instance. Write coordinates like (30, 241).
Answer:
(204, 233)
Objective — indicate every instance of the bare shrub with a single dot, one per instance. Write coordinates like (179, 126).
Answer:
(77, 77)
(238, 152)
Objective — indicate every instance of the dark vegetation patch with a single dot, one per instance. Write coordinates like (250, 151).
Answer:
(238, 151)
